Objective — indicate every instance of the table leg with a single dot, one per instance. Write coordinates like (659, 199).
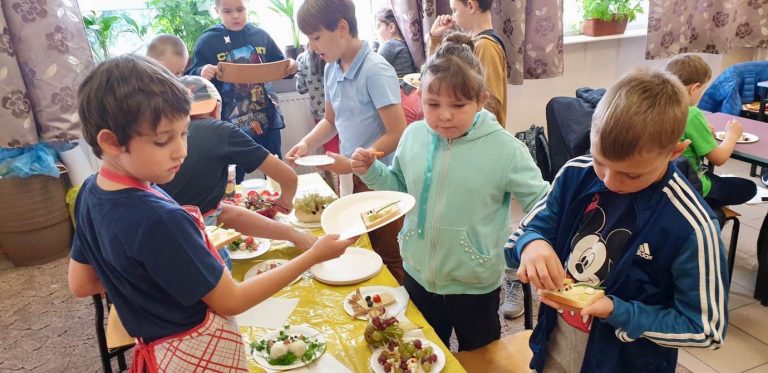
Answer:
(761, 284)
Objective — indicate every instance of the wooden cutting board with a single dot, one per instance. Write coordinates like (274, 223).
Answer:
(243, 73)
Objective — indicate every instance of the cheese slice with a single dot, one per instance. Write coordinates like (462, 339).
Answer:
(374, 218)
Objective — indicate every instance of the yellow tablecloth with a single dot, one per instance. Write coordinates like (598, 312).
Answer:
(320, 306)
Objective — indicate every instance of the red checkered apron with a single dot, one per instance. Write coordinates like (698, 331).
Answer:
(213, 346)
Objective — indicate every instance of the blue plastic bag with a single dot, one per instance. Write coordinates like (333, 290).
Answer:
(32, 160)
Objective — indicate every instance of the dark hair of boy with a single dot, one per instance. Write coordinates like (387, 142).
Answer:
(315, 15)
(165, 43)
(485, 5)
(690, 69)
(456, 67)
(125, 93)
(387, 17)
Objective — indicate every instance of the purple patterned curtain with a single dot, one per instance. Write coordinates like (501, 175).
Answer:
(532, 31)
(706, 26)
(45, 55)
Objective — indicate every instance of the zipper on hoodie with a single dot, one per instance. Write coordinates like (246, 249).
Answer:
(436, 214)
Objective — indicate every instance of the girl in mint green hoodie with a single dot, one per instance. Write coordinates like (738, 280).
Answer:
(463, 168)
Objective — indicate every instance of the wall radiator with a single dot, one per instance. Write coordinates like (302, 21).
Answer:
(298, 122)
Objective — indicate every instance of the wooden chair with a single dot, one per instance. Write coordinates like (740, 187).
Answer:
(113, 340)
(733, 216)
(510, 354)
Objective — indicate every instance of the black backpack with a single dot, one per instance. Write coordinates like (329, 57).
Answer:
(537, 144)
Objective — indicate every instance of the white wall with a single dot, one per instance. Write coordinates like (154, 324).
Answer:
(595, 64)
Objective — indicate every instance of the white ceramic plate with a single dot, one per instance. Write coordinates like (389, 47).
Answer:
(343, 217)
(354, 266)
(293, 330)
(401, 301)
(436, 368)
(265, 264)
(314, 160)
(260, 250)
(746, 137)
(413, 80)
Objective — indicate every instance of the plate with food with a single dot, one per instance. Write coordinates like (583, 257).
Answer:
(247, 247)
(220, 237)
(376, 301)
(308, 210)
(746, 137)
(574, 296)
(288, 348)
(415, 355)
(260, 202)
(265, 266)
(360, 213)
(413, 80)
(314, 160)
(355, 265)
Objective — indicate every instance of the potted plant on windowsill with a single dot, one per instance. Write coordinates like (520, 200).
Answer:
(285, 8)
(608, 17)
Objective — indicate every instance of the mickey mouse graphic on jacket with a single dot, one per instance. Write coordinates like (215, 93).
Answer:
(599, 243)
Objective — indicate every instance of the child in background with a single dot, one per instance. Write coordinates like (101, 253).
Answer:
(149, 254)
(718, 191)
(626, 220)
(250, 107)
(309, 79)
(474, 17)
(169, 51)
(393, 48)
(463, 169)
(212, 146)
(362, 103)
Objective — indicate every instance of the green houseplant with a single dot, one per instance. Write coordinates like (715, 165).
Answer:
(285, 8)
(186, 19)
(607, 17)
(103, 28)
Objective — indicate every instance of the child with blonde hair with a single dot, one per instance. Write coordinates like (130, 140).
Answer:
(626, 221)
(718, 191)
(463, 169)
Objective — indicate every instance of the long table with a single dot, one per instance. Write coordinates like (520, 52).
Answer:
(320, 305)
(756, 154)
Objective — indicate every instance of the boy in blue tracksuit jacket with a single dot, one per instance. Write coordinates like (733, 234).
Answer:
(251, 107)
(626, 220)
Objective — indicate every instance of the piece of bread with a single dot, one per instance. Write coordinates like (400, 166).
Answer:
(374, 218)
(360, 305)
(221, 237)
(574, 296)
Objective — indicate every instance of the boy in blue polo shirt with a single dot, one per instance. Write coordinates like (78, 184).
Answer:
(362, 103)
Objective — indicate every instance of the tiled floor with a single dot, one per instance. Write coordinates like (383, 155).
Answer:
(746, 342)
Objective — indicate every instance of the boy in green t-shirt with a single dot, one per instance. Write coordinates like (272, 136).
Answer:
(718, 191)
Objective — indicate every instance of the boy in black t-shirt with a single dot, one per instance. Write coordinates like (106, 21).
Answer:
(212, 146)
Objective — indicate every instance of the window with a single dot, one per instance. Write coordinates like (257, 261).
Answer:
(572, 17)
(280, 30)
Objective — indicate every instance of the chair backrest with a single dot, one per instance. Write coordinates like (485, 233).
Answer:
(569, 120)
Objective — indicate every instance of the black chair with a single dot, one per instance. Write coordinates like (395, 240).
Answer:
(106, 353)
